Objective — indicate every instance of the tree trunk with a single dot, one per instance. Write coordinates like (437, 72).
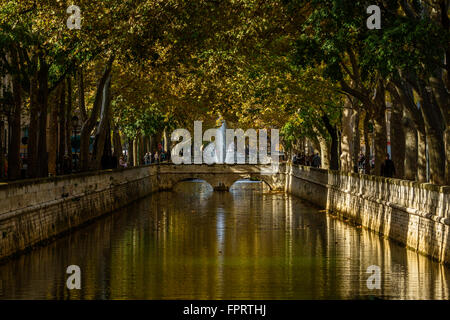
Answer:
(2, 152)
(32, 130)
(166, 140)
(442, 98)
(367, 168)
(303, 143)
(117, 143)
(315, 143)
(86, 127)
(101, 136)
(89, 124)
(148, 143)
(324, 151)
(107, 152)
(347, 137)
(334, 148)
(81, 100)
(42, 157)
(144, 144)
(68, 124)
(153, 143)
(135, 152)
(141, 150)
(52, 136)
(415, 153)
(380, 140)
(411, 147)
(62, 127)
(398, 142)
(130, 152)
(14, 122)
(379, 127)
(434, 128)
(447, 155)
(158, 139)
(356, 141)
(436, 154)
(421, 157)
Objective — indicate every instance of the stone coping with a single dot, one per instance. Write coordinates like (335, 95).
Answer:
(395, 181)
(25, 182)
(414, 211)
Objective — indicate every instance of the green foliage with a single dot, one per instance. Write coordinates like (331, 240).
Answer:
(255, 63)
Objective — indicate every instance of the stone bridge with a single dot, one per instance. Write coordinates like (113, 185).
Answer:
(220, 176)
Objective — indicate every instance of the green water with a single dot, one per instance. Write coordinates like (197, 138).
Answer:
(194, 243)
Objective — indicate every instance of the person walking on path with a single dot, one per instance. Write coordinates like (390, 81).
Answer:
(122, 162)
(388, 167)
(316, 161)
(361, 163)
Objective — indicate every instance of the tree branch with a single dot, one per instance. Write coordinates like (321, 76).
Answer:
(355, 93)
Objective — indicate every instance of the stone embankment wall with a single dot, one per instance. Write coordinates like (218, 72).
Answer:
(33, 211)
(414, 214)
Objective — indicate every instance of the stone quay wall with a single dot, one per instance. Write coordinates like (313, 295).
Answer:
(416, 215)
(33, 211)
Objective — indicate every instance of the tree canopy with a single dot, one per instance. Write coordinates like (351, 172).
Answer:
(150, 66)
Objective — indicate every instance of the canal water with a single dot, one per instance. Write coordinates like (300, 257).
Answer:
(248, 243)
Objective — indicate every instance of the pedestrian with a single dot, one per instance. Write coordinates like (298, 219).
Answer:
(302, 160)
(388, 167)
(310, 159)
(316, 161)
(362, 163)
(122, 162)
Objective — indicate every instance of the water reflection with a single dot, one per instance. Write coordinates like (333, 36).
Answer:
(245, 244)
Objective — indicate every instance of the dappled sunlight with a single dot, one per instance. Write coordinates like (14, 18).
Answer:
(247, 185)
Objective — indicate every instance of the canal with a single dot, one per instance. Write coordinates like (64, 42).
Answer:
(249, 243)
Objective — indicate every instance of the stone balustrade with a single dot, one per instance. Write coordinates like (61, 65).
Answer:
(414, 214)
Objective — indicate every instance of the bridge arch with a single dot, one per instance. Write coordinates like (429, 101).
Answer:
(192, 179)
(220, 177)
(265, 183)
